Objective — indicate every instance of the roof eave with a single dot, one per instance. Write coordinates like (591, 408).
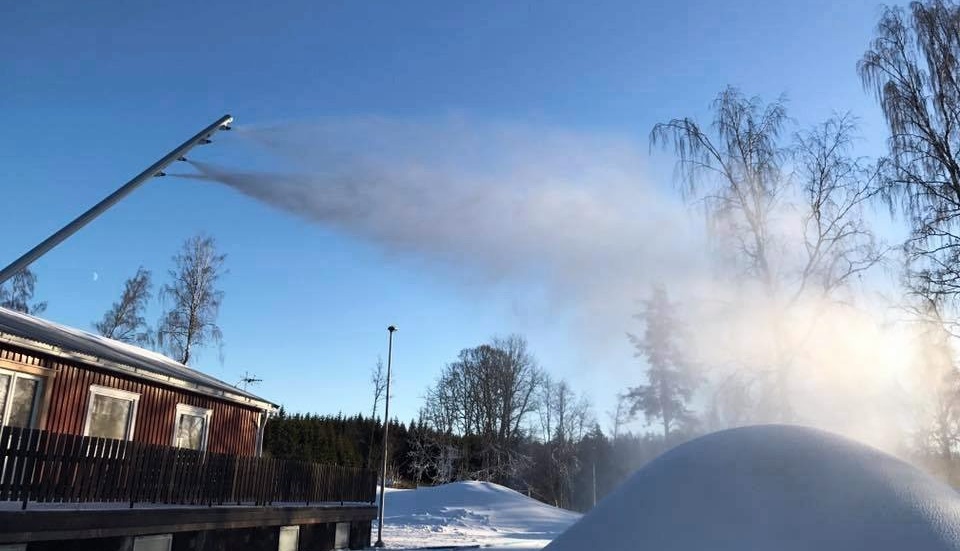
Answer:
(136, 372)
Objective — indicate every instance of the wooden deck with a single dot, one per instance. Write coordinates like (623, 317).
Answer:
(69, 492)
(42, 467)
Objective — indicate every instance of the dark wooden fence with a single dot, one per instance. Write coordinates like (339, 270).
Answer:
(40, 466)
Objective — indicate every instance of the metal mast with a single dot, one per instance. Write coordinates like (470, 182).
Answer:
(156, 169)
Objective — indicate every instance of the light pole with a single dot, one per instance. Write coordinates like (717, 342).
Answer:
(386, 429)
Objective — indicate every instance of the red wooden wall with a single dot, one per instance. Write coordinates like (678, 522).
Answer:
(233, 427)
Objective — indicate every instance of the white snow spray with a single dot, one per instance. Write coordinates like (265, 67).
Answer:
(489, 201)
(576, 214)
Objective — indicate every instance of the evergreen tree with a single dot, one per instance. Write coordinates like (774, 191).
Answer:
(671, 375)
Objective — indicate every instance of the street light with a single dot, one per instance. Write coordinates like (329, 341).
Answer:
(386, 429)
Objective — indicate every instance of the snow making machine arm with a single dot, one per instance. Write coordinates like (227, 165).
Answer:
(156, 169)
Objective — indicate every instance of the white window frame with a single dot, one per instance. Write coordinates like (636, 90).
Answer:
(37, 397)
(187, 409)
(111, 392)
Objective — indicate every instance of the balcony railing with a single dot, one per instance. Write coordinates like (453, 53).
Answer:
(44, 467)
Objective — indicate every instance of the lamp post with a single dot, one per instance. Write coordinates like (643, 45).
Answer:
(386, 429)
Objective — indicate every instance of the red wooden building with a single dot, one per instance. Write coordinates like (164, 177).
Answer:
(65, 380)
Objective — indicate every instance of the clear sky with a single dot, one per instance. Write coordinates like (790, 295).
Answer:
(92, 92)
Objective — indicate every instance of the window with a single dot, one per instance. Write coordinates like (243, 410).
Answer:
(111, 413)
(191, 426)
(19, 398)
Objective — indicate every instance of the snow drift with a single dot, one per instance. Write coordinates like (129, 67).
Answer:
(772, 487)
(470, 513)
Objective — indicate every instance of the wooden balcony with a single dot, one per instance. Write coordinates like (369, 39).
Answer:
(37, 466)
(65, 488)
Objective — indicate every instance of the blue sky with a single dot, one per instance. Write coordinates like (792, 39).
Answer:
(94, 91)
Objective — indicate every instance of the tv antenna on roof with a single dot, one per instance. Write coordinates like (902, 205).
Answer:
(248, 379)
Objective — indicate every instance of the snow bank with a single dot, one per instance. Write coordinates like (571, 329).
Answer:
(772, 487)
(464, 513)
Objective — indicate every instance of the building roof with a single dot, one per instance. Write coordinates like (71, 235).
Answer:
(87, 348)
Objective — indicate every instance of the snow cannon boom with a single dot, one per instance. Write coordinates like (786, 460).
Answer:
(156, 169)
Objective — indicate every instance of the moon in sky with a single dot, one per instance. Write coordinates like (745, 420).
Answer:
(96, 276)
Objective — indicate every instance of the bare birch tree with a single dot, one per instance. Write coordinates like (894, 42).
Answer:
(837, 189)
(125, 321)
(736, 171)
(378, 378)
(564, 419)
(619, 417)
(736, 175)
(194, 300)
(17, 294)
(913, 67)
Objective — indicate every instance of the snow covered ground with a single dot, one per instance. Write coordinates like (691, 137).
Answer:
(773, 487)
(761, 488)
(470, 513)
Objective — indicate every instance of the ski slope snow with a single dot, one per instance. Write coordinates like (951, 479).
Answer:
(470, 513)
(772, 487)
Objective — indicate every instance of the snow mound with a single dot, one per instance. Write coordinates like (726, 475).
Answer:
(464, 513)
(772, 487)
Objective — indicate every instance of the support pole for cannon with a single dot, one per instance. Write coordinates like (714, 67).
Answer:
(156, 169)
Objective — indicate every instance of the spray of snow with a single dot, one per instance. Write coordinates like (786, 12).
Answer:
(494, 201)
(576, 215)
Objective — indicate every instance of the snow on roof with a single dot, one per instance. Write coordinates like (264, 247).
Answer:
(68, 342)
(772, 487)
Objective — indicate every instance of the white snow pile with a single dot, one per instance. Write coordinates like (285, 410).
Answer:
(772, 487)
(470, 513)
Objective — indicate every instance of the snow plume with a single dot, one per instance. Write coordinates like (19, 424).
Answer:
(574, 216)
(850, 369)
(490, 202)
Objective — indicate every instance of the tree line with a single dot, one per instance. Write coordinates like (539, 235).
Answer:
(190, 300)
(493, 414)
(567, 470)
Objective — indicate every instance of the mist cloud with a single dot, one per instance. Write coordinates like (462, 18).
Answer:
(576, 214)
(572, 211)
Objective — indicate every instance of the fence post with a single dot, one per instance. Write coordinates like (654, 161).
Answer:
(29, 465)
(236, 470)
(133, 450)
